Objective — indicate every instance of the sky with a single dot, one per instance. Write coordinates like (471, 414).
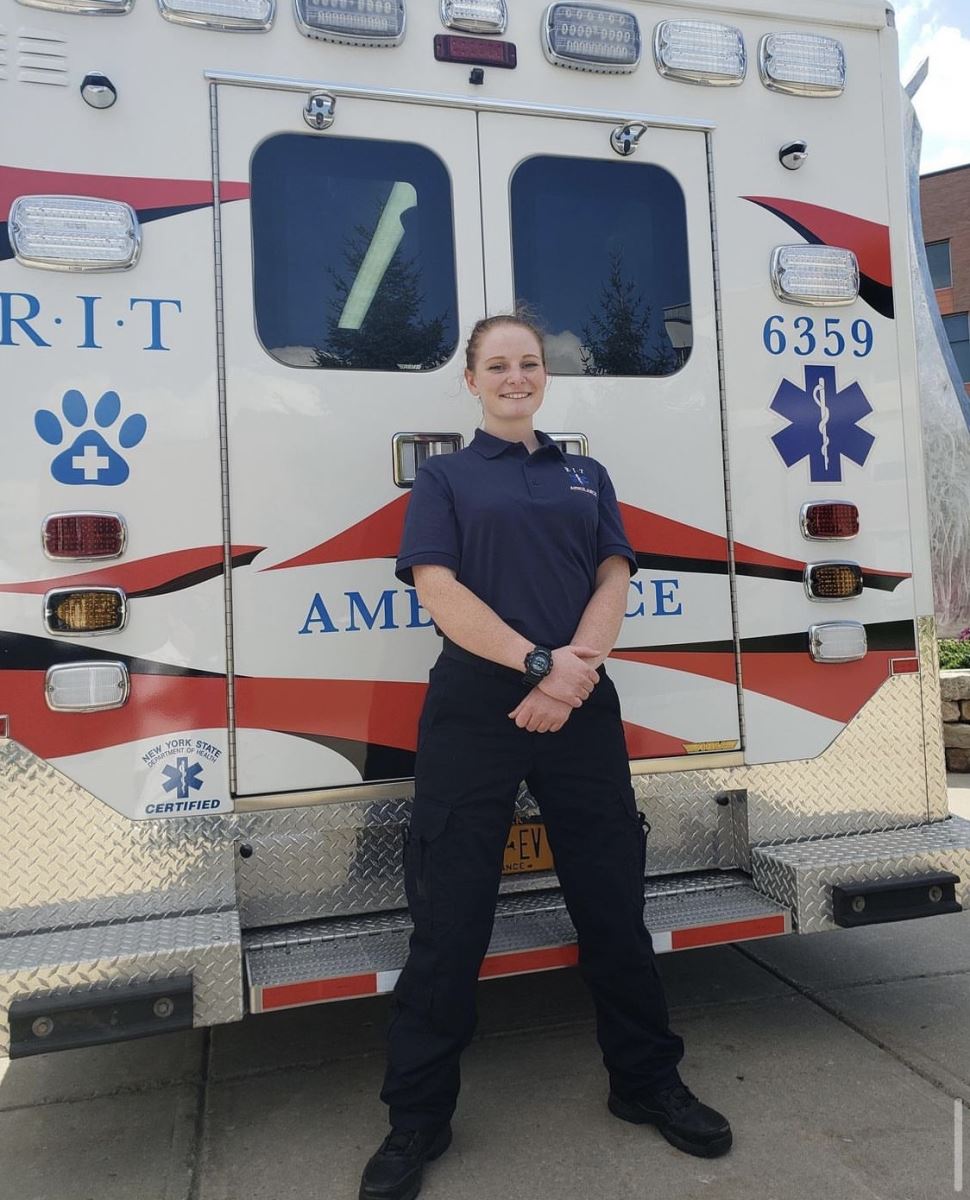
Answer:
(939, 30)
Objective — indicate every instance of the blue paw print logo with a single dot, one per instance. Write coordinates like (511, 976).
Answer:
(89, 458)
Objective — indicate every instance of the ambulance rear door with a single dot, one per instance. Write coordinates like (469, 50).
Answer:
(351, 263)
(605, 231)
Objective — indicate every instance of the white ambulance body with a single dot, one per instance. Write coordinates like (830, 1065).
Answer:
(247, 243)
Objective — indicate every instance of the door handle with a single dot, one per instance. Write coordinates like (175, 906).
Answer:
(411, 449)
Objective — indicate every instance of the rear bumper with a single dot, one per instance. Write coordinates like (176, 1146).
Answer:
(800, 876)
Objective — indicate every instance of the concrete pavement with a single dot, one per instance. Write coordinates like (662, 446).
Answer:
(838, 1058)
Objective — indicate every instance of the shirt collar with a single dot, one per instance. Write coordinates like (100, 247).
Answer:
(490, 446)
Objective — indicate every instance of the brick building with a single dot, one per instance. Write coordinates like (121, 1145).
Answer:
(945, 199)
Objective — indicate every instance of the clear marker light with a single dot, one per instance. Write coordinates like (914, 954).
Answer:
(837, 641)
(802, 64)
(587, 37)
(822, 276)
(241, 16)
(475, 16)
(353, 22)
(87, 687)
(82, 7)
(73, 233)
(700, 52)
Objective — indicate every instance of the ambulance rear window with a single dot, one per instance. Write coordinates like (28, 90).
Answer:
(600, 256)
(353, 254)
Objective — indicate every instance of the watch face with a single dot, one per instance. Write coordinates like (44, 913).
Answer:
(540, 661)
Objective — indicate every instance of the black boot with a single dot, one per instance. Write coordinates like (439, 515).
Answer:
(394, 1172)
(680, 1117)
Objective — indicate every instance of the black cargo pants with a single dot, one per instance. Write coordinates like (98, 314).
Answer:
(471, 759)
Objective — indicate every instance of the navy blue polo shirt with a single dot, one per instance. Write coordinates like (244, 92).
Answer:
(524, 532)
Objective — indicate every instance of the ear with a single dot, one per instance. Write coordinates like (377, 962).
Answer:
(470, 382)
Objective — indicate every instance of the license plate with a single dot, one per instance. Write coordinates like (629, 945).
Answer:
(527, 849)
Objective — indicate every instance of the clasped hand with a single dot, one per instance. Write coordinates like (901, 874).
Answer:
(571, 681)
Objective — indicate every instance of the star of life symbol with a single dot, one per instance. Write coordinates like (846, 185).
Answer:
(181, 778)
(823, 424)
(578, 476)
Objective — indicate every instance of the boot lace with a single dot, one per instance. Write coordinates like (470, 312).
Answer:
(399, 1142)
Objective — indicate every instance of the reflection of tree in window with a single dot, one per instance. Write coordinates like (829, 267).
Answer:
(618, 338)
(375, 322)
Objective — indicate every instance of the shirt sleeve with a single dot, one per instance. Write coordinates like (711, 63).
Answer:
(610, 536)
(430, 527)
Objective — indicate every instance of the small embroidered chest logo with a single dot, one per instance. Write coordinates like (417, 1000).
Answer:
(580, 480)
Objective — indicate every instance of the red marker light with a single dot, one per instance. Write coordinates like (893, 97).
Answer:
(84, 535)
(475, 51)
(830, 521)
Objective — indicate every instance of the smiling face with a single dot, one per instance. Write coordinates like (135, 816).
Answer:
(509, 376)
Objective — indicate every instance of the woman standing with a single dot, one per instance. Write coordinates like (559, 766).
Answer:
(518, 552)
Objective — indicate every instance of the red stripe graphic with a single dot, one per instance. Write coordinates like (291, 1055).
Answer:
(376, 536)
(727, 931)
(520, 962)
(158, 705)
(868, 239)
(837, 691)
(141, 575)
(648, 743)
(360, 710)
(292, 995)
(712, 665)
(834, 690)
(140, 192)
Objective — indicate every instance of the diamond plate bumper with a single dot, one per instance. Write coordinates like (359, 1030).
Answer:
(73, 961)
(800, 875)
(363, 956)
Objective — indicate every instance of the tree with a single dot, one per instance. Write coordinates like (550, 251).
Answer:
(617, 340)
(392, 335)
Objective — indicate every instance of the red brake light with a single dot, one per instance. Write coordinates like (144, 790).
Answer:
(84, 535)
(477, 51)
(830, 521)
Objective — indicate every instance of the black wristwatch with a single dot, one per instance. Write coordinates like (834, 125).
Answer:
(538, 664)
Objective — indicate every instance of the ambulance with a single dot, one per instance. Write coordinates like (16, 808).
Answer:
(244, 244)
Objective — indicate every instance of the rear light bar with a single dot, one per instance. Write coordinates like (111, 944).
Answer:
(829, 521)
(820, 276)
(802, 64)
(84, 536)
(85, 611)
(590, 37)
(475, 16)
(700, 52)
(241, 16)
(74, 233)
(87, 686)
(837, 642)
(833, 580)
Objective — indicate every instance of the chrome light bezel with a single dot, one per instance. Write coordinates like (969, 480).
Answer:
(462, 26)
(690, 75)
(52, 597)
(817, 632)
(788, 296)
(124, 684)
(578, 64)
(26, 259)
(224, 24)
(83, 557)
(814, 537)
(831, 562)
(352, 39)
(799, 87)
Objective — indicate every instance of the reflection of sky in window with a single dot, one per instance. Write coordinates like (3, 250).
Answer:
(308, 197)
(569, 216)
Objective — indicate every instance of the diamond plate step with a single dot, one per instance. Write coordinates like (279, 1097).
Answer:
(800, 875)
(350, 957)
